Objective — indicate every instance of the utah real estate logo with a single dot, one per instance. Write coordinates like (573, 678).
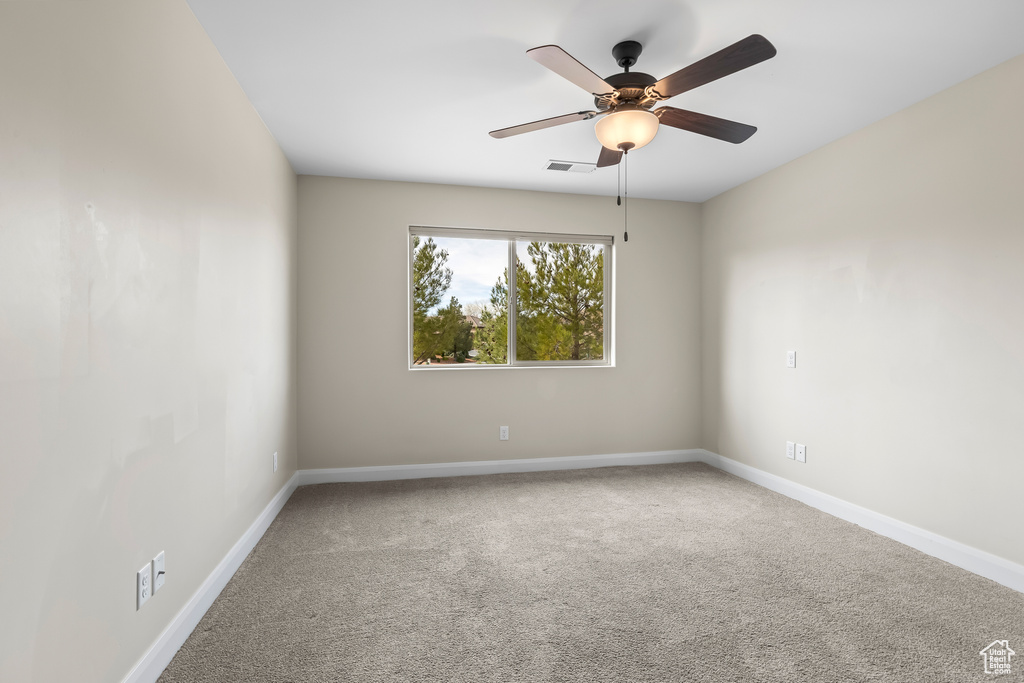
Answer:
(997, 657)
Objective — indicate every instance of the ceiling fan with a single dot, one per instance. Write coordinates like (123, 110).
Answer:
(625, 100)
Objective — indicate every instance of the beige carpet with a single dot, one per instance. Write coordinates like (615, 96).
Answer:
(659, 573)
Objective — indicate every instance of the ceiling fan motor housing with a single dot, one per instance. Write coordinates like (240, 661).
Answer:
(631, 88)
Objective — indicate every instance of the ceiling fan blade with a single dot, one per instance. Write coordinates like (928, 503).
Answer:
(713, 127)
(738, 56)
(608, 157)
(569, 68)
(543, 123)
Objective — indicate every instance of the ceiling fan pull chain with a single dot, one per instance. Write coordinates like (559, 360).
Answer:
(625, 187)
(618, 185)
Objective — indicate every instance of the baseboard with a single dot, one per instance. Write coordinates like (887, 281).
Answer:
(153, 663)
(979, 562)
(460, 469)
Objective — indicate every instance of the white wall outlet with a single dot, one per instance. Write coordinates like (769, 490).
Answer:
(143, 585)
(790, 359)
(790, 450)
(801, 453)
(159, 575)
(275, 461)
(503, 433)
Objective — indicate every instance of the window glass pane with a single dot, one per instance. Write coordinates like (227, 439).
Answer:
(459, 307)
(559, 301)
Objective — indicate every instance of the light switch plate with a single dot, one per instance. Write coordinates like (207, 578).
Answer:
(158, 572)
(801, 453)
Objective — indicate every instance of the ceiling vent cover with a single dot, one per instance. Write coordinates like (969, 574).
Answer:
(570, 166)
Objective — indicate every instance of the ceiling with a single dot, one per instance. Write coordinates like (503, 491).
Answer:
(408, 90)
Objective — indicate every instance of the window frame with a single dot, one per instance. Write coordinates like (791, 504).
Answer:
(513, 237)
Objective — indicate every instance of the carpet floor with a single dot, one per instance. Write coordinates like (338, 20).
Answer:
(624, 574)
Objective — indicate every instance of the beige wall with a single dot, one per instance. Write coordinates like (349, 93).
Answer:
(359, 404)
(892, 261)
(147, 264)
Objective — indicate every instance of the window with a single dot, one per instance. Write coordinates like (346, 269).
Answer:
(461, 298)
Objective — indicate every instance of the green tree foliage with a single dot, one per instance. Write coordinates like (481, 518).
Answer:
(492, 340)
(455, 333)
(559, 306)
(431, 279)
(431, 276)
(447, 333)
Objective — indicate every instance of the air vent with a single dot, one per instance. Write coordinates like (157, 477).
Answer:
(570, 166)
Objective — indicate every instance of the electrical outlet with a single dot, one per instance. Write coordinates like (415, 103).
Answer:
(790, 359)
(159, 575)
(143, 585)
(790, 450)
(503, 433)
(801, 453)
(275, 461)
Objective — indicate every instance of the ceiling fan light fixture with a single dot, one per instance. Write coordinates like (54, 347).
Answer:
(627, 129)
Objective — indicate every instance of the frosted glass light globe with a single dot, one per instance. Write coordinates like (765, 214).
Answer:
(627, 129)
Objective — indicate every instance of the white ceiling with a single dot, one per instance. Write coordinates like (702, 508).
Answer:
(408, 89)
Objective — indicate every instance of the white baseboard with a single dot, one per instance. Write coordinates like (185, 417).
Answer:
(973, 560)
(153, 663)
(460, 469)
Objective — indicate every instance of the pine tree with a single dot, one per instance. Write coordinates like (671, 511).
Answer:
(454, 333)
(492, 340)
(431, 279)
(560, 313)
(559, 306)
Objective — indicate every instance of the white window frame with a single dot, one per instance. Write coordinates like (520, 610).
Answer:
(512, 237)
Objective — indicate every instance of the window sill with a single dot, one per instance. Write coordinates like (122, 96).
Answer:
(471, 367)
